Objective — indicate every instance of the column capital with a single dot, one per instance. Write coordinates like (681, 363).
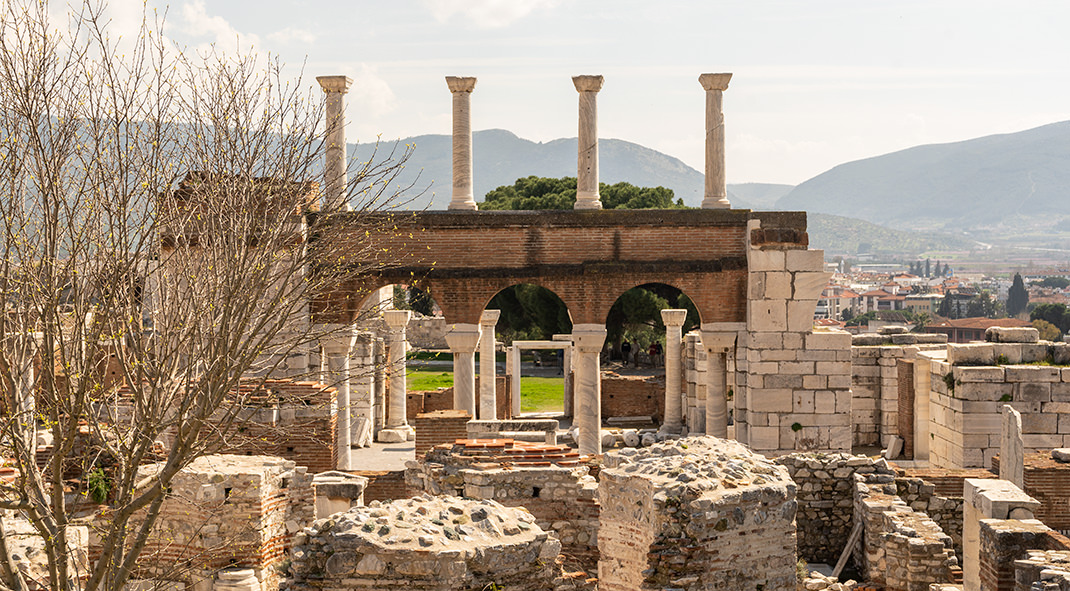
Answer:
(718, 342)
(335, 83)
(397, 320)
(461, 83)
(673, 317)
(588, 83)
(463, 337)
(714, 81)
(337, 338)
(489, 318)
(589, 338)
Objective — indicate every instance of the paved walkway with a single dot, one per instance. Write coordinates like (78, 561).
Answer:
(384, 456)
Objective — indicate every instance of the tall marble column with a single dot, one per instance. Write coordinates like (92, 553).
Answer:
(334, 167)
(337, 346)
(716, 195)
(587, 165)
(588, 340)
(674, 325)
(488, 396)
(463, 340)
(718, 345)
(397, 423)
(462, 88)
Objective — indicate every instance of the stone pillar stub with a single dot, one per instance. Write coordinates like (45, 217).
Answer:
(397, 426)
(463, 339)
(488, 395)
(461, 87)
(987, 498)
(716, 192)
(587, 196)
(1012, 448)
(588, 340)
(334, 168)
(674, 323)
(718, 345)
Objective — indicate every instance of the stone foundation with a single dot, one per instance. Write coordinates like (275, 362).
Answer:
(695, 513)
(427, 543)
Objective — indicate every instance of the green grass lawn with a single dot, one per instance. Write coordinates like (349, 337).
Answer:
(538, 394)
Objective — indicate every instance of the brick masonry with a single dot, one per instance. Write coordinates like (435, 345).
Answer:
(438, 427)
(1047, 481)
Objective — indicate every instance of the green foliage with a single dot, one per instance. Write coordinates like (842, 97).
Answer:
(533, 193)
(530, 313)
(1054, 282)
(413, 299)
(949, 381)
(1017, 296)
(1055, 314)
(796, 427)
(862, 319)
(1048, 331)
(636, 315)
(98, 485)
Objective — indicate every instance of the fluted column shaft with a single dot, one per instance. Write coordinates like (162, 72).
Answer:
(334, 167)
(463, 340)
(488, 396)
(462, 88)
(674, 324)
(587, 163)
(716, 193)
(588, 339)
(397, 320)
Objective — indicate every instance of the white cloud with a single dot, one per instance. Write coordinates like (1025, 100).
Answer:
(370, 92)
(293, 35)
(198, 23)
(486, 14)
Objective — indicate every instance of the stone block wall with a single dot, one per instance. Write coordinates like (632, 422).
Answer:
(875, 387)
(1006, 541)
(969, 389)
(633, 396)
(438, 427)
(695, 513)
(1043, 570)
(427, 332)
(825, 497)
(901, 549)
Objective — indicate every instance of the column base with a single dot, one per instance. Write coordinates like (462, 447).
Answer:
(396, 434)
(719, 203)
(463, 206)
(667, 430)
(587, 204)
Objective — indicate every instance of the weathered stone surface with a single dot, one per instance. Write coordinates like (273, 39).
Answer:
(999, 334)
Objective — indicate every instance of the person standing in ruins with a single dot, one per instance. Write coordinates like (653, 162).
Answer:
(625, 351)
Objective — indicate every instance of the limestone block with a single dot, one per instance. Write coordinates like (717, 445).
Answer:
(777, 285)
(805, 260)
(971, 354)
(825, 402)
(801, 315)
(998, 334)
(1036, 352)
(1008, 352)
(1033, 373)
(793, 340)
(808, 286)
(769, 316)
(771, 400)
(765, 260)
(1033, 392)
(828, 368)
(1037, 423)
(1042, 441)
(1060, 353)
(764, 438)
(803, 402)
(978, 374)
(829, 339)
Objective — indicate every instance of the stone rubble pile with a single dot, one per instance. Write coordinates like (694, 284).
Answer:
(425, 543)
(816, 581)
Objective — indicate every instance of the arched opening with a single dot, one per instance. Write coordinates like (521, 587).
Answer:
(635, 319)
(533, 327)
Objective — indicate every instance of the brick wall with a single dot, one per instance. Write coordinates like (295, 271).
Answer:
(442, 426)
(633, 396)
(431, 400)
(385, 485)
(946, 482)
(905, 378)
(1047, 481)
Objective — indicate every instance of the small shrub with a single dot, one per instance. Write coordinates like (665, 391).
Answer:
(949, 381)
(796, 427)
(1006, 398)
(99, 485)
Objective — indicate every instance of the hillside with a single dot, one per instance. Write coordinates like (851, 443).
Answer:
(998, 180)
(837, 235)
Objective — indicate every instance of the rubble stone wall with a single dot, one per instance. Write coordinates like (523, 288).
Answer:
(901, 549)
(825, 497)
(427, 332)
(695, 513)
(1006, 541)
(921, 496)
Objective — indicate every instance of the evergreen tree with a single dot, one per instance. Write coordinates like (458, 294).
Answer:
(928, 269)
(1017, 296)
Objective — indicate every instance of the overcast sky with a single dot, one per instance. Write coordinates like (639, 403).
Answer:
(815, 83)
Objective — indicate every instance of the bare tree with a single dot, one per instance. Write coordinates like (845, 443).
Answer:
(158, 217)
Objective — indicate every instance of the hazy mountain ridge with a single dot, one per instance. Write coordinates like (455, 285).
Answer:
(978, 182)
